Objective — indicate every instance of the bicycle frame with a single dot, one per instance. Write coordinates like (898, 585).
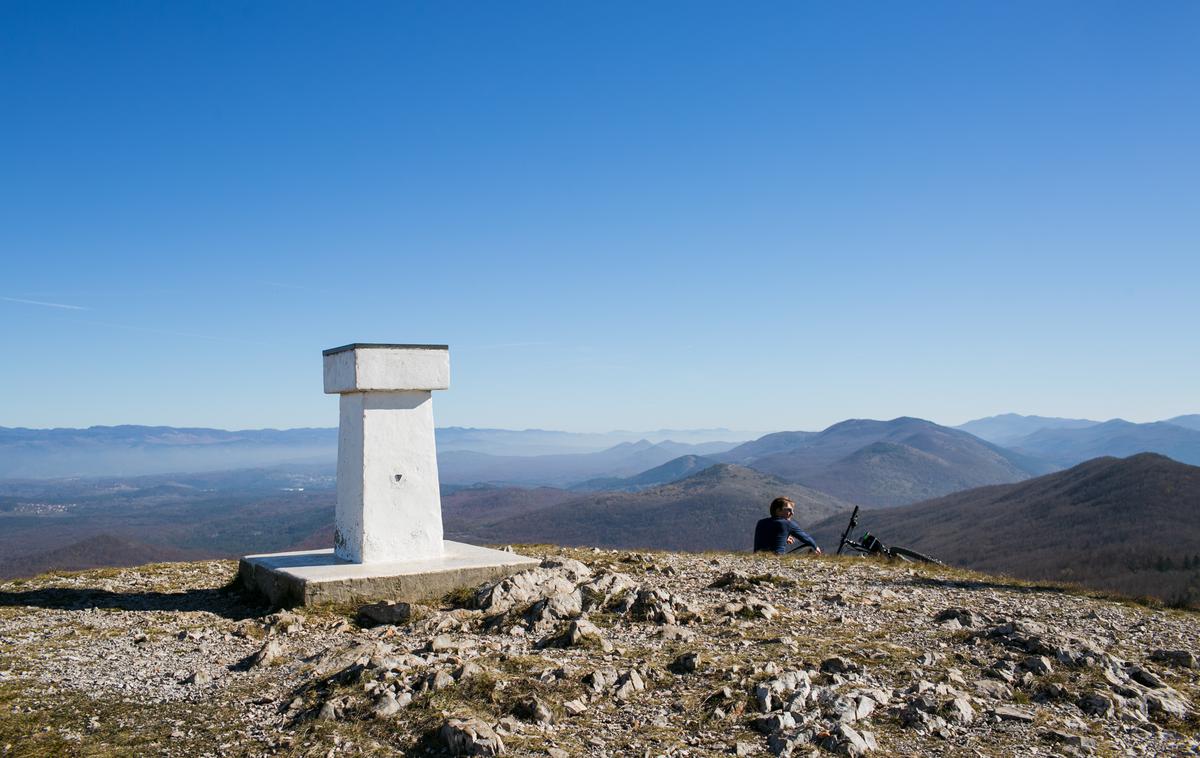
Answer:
(872, 546)
(853, 523)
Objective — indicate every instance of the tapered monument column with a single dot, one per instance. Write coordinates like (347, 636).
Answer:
(389, 505)
(388, 524)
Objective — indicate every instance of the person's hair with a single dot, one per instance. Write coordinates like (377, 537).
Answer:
(779, 503)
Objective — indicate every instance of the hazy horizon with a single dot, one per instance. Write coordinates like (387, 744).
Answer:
(601, 432)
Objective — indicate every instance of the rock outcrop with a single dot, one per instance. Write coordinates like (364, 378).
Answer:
(600, 653)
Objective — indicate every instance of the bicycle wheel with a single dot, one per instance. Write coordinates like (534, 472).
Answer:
(912, 555)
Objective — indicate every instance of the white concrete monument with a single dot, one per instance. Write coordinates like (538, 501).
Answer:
(389, 507)
(388, 523)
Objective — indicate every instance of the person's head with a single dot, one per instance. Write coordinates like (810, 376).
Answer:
(782, 507)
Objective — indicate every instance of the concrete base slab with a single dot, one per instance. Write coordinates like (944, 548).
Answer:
(318, 576)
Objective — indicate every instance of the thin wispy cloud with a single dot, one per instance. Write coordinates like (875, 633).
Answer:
(44, 304)
(172, 333)
(505, 345)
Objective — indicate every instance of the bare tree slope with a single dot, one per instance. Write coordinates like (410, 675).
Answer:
(1131, 525)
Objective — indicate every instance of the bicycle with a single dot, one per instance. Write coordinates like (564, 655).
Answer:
(869, 545)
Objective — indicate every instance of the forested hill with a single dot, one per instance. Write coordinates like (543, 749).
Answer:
(1130, 525)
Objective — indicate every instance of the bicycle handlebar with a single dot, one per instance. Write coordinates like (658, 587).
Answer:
(853, 523)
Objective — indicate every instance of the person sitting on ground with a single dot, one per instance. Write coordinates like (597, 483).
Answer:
(775, 533)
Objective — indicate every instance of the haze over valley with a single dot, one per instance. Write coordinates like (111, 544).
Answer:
(991, 499)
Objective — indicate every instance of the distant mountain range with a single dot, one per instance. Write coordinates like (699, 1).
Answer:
(1130, 525)
(1007, 427)
(885, 463)
(527, 442)
(533, 457)
(1191, 421)
(130, 450)
(142, 450)
(1066, 447)
(714, 509)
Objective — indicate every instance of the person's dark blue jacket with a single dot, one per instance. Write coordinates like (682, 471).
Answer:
(771, 535)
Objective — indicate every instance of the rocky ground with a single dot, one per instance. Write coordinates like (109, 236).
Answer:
(599, 653)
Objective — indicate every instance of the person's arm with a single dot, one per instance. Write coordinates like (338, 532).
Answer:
(795, 531)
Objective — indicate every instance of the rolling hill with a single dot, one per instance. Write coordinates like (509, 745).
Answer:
(671, 471)
(625, 459)
(777, 442)
(714, 509)
(91, 552)
(886, 463)
(1130, 525)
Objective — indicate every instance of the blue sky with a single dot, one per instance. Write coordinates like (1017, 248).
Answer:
(618, 215)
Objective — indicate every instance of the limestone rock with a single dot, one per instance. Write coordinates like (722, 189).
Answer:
(1178, 658)
(757, 609)
(629, 683)
(533, 709)
(685, 663)
(1145, 678)
(675, 633)
(839, 665)
(522, 589)
(993, 688)
(440, 680)
(958, 711)
(268, 654)
(284, 622)
(774, 722)
(385, 706)
(575, 571)
(1168, 703)
(1038, 665)
(770, 694)
(470, 737)
(1012, 713)
(327, 712)
(1096, 704)
(468, 670)
(558, 607)
(733, 580)
(600, 680)
(845, 740)
(964, 617)
(605, 588)
(580, 632)
(1072, 740)
(200, 677)
(661, 607)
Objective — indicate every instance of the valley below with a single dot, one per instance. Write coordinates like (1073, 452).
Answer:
(1128, 525)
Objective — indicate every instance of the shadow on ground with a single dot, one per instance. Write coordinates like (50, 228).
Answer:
(224, 601)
